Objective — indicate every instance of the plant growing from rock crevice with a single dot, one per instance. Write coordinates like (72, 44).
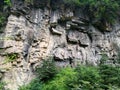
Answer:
(11, 57)
(2, 84)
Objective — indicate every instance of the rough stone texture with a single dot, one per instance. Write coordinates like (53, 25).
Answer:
(30, 42)
(43, 33)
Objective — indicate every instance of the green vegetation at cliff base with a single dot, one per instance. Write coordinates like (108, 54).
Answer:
(50, 77)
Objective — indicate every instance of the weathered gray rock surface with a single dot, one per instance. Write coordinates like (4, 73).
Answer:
(41, 33)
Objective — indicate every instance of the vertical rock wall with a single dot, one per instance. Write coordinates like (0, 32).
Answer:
(63, 34)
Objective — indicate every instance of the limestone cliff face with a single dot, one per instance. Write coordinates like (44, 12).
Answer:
(32, 34)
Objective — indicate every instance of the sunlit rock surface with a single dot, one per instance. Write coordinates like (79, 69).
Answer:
(41, 33)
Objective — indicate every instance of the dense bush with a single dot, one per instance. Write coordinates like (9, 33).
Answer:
(85, 78)
(110, 76)
(102, 77)
(72, 3)
(60, 81)
(47, 71)
(88, 77)
(103, 59)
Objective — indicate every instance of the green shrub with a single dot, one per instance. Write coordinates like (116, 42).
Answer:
(2, 84)
(110, 76)
(7, 2)
(88, 78)
(47, 71)
(34, 85)
(60, 81)
(102, 77)
(80, 78)
(103, 59)
(2, 19)
(72, 3)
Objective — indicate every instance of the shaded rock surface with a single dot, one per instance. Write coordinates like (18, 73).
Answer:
(41, 33)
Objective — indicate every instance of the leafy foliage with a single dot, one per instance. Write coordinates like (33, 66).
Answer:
(7, 2)
(61, 80)
(2, 19)
(72, 3)
(118, 56)
(2, 85)
(110, 76)
(102, 77)
(85, 78)
(11, 57)
(103, 59)
(34, 85)
(88, 78)
(47, 71)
